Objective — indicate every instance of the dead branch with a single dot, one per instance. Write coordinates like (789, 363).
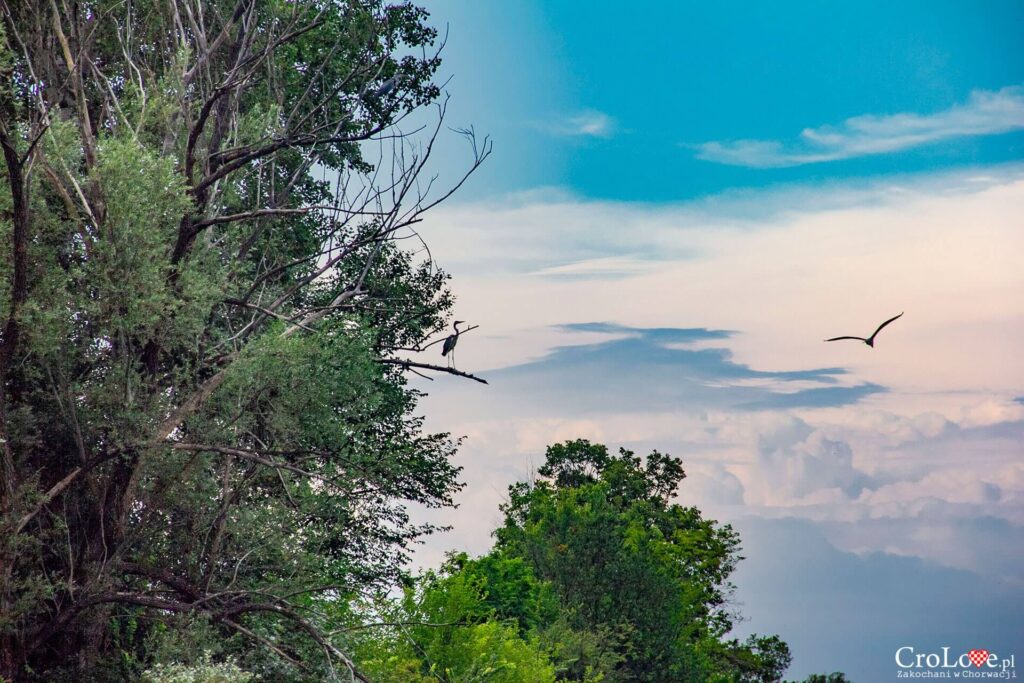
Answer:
(427, 366)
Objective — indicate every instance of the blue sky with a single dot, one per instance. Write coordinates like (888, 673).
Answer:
(684, 201)
(658, 81)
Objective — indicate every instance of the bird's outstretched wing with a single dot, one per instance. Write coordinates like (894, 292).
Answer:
(838, 338)
(886, 323)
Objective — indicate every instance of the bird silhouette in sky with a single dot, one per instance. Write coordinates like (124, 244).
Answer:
(870, 341)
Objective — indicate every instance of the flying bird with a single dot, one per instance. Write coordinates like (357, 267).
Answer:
(870, 341)
(451, 341)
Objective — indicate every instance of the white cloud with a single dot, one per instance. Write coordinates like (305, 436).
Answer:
(931, 469)
(709, 485)
(589, 123)
(815, 264)
(784, 269)
(608, 266)
(984, 113)
(799, 461)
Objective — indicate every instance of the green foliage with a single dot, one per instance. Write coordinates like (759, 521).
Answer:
(201, 443)
(205, 671)
(758, 659)
(207, 449)
(587, 656)
(509, 588)
(621, 557)
(596, 577)
(446, 631)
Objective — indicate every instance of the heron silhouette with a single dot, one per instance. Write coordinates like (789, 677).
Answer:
(450, 342)
(387, 86)
(870, 341)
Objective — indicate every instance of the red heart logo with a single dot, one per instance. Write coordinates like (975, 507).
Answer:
(978, 657)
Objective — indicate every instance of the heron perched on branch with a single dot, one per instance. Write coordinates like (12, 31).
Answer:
(387, 86)
(450, 342)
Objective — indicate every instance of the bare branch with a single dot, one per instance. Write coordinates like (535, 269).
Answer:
(244, 455)
(248, 215)
(427, 366)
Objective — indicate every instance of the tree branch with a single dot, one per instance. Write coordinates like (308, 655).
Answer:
(243, 454)
(246, 215)
(408, 364)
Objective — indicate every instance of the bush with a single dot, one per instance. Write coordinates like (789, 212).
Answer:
(205, 671)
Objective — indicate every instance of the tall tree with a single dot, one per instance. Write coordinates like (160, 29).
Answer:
(203, 418)
(623, 558)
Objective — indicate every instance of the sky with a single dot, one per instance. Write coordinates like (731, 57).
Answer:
(684, 200)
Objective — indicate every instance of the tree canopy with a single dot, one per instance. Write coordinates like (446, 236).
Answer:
(596, 576)
(625, 559)
(204, 298)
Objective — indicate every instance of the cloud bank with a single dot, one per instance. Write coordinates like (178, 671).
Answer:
(643, 369)
(984, 113)
(886, 479)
